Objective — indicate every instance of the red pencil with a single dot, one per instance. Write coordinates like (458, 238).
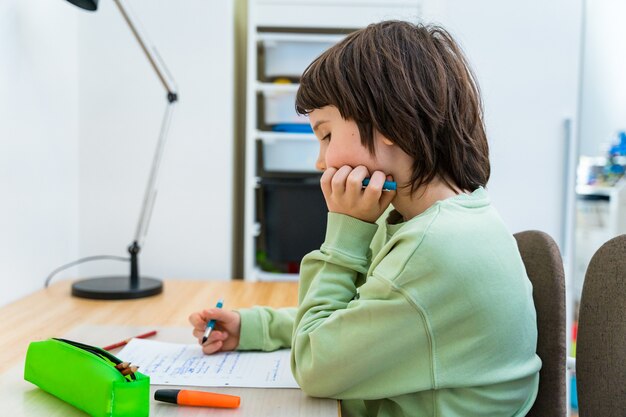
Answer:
(125, 341)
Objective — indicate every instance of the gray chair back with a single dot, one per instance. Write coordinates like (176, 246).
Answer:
(601, 342)
(544, 268)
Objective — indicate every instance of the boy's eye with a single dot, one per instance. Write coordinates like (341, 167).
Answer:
(327, 137)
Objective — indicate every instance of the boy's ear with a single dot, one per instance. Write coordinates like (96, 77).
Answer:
(385, 139)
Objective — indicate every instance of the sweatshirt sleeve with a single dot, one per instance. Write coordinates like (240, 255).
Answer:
(349, 343)
(266, 328)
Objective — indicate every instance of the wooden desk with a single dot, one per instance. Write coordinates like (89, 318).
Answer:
(53, 313)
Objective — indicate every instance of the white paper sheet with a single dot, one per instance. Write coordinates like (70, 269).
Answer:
(183, 364)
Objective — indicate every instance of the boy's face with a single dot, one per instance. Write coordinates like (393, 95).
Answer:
(340, 143)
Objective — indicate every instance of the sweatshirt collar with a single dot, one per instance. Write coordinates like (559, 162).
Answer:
(478, 198)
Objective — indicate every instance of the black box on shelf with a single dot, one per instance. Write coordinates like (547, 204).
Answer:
(293, 217)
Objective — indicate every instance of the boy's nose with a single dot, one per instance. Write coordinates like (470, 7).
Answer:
(320, 165)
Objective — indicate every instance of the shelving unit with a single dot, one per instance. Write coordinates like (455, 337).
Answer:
(284, 209)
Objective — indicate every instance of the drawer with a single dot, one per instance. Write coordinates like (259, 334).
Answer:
(293, 218)
(287, 55)
(279, 107)
(289, 155)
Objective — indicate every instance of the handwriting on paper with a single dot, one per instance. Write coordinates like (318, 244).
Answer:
(185, 364)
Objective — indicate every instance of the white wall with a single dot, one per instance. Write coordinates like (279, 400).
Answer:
(121, 105)
(38, 143)
(603, 100)
(526, 58)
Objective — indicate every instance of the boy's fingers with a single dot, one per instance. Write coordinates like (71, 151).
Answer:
(217, 314)
(355, 179)
(386, 198)
(327, 176)
(215, 336)
(338, 183)
(379, 177)
(210, 348)
(196, 320)
(374, 189)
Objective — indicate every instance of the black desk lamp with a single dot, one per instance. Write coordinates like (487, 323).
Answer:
(124, 287)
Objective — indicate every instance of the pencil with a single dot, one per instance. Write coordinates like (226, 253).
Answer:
(125, 341)
(387, 186)
(211, 324)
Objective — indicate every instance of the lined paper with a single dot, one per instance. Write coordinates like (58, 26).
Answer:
(185, 364)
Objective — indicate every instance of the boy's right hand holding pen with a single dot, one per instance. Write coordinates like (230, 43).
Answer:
(225, 334)
(344, 192)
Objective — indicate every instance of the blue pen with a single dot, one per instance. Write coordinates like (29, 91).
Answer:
(387, 186)
(211, 324)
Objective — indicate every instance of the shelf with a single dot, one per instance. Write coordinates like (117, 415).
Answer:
(274, 136)
(289, 153)
(283, 38)
(299, 37)
(277, 106)
(276, 88)
(594, 190)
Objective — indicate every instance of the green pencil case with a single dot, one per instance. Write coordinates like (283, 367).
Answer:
(85, 376)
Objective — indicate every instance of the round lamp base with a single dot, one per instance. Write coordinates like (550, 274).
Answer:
(116, 288)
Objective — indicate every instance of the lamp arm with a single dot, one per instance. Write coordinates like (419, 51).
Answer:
(169, 84)
(151, 187)
(152, 54)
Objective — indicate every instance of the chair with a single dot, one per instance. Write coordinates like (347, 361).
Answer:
(544, 268)
(601, 343)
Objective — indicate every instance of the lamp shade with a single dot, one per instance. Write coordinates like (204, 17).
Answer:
(85, 4)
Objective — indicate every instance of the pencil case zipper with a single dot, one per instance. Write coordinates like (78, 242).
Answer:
(104, 356)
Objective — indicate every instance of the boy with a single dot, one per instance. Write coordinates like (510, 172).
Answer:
(430, 313)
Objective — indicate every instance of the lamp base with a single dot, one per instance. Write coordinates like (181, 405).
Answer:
(116, 288)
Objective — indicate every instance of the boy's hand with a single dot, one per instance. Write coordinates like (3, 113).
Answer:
(225, 334)
(344, 192)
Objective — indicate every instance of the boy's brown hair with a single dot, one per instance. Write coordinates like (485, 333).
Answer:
(412, 84)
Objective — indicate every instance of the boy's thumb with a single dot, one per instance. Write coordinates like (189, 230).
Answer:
(386, 199)
(216, 314)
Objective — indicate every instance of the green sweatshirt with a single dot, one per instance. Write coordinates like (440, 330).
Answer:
(429, 317)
